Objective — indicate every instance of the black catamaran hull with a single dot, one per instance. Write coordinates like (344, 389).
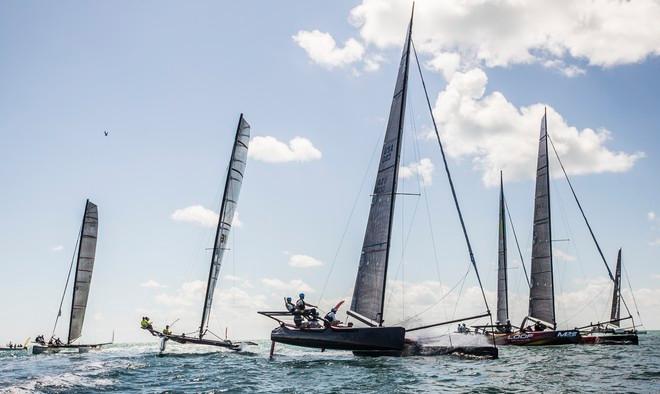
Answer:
(609, 339)
(39, 349)
(363, 339)
(182, 339)
(544, 338)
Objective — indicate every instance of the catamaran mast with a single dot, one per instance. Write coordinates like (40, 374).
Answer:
(369, 291)
(615, 316)
(234, 179)
(542, 291)
(502, 280)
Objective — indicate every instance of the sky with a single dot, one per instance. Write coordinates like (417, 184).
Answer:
(169, 80)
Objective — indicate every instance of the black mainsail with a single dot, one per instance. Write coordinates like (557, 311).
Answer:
(235, 173)
(84, 269)
(502, 283)
(369, 290)
(615, 315)
(542, 294)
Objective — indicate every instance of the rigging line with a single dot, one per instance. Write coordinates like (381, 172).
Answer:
(584, 216)
(68, 277)
(632, 294)
(451, 183)
(350, 216)
(515, 237)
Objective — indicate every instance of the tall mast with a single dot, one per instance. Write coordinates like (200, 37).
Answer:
(369, 290)
(502, 280)
(616, 294)
(234, 179)
(542, 292)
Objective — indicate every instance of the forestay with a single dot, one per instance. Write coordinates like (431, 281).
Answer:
(232, 190)
(541, 295)
(84, 268)
(369, 290)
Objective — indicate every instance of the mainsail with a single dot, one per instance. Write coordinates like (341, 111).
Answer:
(369, 291)
(502, 283)
(542, 294)
(616, 294)
(84, 268)
(232, 190)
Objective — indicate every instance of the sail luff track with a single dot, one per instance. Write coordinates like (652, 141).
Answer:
(541, 294)
(84, 269)
(233, 182)
(502, 280)
(369, 290)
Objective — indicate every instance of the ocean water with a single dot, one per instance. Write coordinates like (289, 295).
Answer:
(137, 368)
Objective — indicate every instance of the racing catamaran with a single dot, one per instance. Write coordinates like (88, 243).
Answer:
(233, 182)
(368, 301)
(86, 255)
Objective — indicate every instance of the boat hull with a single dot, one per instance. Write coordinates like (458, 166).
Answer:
(609, 339)
(39, 349)
(372, 340)
(544, 338)
(193, 340)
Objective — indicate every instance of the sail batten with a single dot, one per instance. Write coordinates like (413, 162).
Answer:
(369, 290)
(541, 295)
(228, 205)
(616, 293)
(84, 269)
(502, 280)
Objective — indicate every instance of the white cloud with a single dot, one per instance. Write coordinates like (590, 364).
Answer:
(445, 62)
(151, 284)
(57, 248)
(651, 216)
(196, 214)
(304, 261)
(292, 286)
(323, 50)
(424, 168)
(496, 135)
(270, 150)
(501, 33)
(190, 293)
(205, 217)
(561, 255)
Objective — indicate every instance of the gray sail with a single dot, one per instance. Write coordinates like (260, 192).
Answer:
(542, 294)
(502, 282)
(233, 182)
(616, 294)
(369, 290)
(84, 268)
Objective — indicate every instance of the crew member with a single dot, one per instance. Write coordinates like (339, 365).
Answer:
(313, 319)
(290, 307)
(331, 318)
(301, 305)
(145, 324)
(167, 331)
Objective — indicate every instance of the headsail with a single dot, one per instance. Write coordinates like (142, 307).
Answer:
(502, 283)
(369, 291)
(616, 294)
(542, 294)
(84, 268)
(233, 183)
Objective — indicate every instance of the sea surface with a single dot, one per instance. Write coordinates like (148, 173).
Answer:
(138, 368)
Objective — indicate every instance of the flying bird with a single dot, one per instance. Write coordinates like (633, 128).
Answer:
(105, 133)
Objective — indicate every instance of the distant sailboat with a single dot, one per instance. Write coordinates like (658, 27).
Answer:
(86, 255)
(233, 182)
(368, 301)
(611, 333)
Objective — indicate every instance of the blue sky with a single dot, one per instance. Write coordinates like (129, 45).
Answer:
(169, 81)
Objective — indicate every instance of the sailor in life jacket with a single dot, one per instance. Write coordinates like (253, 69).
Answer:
(290, 307)
(167, 331)
(330, 318)
(145, 324)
